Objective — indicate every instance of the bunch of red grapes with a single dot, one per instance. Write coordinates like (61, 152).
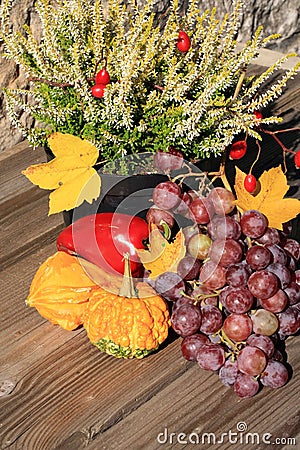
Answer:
(235, 295)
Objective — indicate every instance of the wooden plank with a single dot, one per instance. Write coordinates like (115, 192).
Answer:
(17, 320)
(15, 189)
(43, 366)
(27, 229)
(74, 390)
(196, 402)
(267, 57)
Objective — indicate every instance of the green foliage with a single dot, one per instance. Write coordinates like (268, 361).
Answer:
(158, 96)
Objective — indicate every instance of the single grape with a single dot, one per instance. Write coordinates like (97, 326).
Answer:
(201, 210)
(258, 257)
(293, 293)
(188, 268)
(263, 284)
(224, 227)
(180, 302)
(211, 319)
(193, 194)
(289, 322)
(279, 255)
(199, 245)
(212, 275)
(265, 343)
(236, 299)
(191, 344)
(157, 216)
(253, 223)
(211, 356)
(238, 274)
(275, 375)
(292, 247)
(222, 200)
(237, 327)
(189, 231)
(167, 161)
(183, 206)
(282, 272)
(225, 252)
(264, 322)
(270, 236)
(186, 320)
(228, 372)
(169, 285)
(166, 195)
(245, 386)
(251, 360)
(276, 303)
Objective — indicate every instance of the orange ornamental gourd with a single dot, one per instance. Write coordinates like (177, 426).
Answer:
(60, 290)
(130, 324)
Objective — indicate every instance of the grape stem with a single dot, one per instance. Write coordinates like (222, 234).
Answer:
(233, 346)
(183, 176)
(201, 297)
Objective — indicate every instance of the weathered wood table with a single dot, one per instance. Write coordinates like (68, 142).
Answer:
(57, 391)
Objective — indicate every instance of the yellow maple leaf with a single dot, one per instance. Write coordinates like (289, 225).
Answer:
(162, 256)
(270, 199)
(70, 174)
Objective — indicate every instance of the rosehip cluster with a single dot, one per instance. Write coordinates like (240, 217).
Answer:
(102, 79)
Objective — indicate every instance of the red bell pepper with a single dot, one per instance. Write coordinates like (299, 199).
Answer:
(104, 238)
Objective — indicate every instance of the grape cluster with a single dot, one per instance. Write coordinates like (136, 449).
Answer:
(235, 295)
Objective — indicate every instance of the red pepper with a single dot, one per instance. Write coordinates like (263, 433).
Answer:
(104, 238)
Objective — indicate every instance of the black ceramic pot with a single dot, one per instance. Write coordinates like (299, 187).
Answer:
(124, 194)
(130, 194)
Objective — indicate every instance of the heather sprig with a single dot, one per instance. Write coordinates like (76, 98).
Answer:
(158, 96)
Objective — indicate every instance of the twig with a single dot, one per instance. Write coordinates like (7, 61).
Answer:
(257, 156)
(239, 83)
(50, 83)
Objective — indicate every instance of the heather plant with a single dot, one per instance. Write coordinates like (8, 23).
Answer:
(196, 100)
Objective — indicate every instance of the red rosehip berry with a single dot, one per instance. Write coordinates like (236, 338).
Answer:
(297, 160)
(258, 115)
(98, 90)
(250, 183)
(184, 42)
(102, 77)
(238, 150)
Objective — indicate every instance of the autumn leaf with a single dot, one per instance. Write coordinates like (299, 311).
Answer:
(70, 174)
(270, 199)
(162, 256)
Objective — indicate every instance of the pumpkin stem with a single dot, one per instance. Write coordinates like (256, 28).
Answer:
(127, 288)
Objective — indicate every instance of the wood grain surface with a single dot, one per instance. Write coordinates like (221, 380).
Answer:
(58, 392)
